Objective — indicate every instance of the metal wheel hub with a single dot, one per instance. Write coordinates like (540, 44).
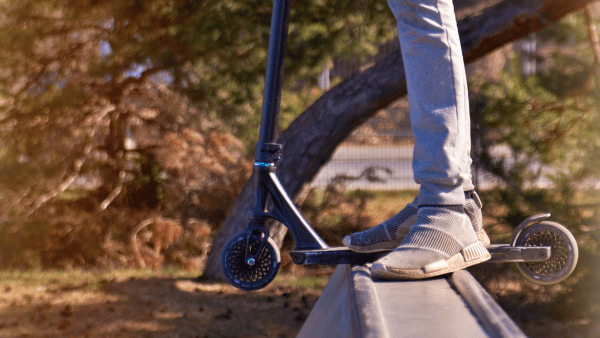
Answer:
(248, 272)
(559, 257)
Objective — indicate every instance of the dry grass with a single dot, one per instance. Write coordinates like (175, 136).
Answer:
(138, 303)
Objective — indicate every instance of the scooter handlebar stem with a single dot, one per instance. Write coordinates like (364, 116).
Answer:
(274, 75)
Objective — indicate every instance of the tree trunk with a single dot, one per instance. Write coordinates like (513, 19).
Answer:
(311, 139)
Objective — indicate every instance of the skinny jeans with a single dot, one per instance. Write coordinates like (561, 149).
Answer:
(438, 97)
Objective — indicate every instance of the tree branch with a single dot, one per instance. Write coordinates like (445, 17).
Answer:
(593, 36)
(133, 241)
(113, 194)
(77, 164)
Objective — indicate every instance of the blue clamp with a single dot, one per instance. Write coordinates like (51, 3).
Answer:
(264, 164)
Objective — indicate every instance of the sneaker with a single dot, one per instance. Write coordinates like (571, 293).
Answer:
(441, 241)
(389, 234)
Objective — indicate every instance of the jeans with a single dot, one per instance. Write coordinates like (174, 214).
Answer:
(437, 92)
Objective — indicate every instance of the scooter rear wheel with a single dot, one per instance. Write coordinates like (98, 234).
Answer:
(563, 256)
(242, 274)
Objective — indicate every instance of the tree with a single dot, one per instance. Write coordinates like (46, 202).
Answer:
(547, 125)
(549, 118)
(78, 78)
(314, 135)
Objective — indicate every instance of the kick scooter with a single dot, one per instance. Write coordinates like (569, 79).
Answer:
(544, 251)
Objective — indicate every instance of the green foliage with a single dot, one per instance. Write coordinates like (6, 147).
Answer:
(549, 137)
(80, 78)
(75, 72)
(538, 124)
(550, 125)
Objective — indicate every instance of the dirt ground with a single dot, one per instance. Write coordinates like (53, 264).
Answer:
(142, 303)
(139, 306)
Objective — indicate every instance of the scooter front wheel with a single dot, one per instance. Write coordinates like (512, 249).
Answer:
(249, 276)
(563, 256)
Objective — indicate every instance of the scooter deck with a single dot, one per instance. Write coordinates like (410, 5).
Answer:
(501, 253)
(332, 256)
(505, 253)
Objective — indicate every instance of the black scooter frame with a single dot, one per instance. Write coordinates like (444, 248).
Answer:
(310, 248)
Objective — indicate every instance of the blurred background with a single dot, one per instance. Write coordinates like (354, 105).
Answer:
(127, 129)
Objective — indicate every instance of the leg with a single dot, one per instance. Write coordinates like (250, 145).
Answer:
(437, 90)
(440, 119)
(443, 239)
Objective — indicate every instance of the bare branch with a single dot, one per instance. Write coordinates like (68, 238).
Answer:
(133, 241)
(113, 194)
(593, 36)
(77, 164)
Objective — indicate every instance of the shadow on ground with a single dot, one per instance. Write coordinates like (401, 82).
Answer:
(156, 307)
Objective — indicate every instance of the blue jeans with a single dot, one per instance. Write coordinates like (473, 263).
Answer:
(439, 104)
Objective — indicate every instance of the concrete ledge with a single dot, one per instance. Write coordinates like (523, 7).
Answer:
(496, 322)
(371, 318)
(353, 305)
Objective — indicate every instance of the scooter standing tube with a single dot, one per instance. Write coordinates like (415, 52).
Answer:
(274, 75)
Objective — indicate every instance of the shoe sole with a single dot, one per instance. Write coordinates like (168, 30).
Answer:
(454, 263)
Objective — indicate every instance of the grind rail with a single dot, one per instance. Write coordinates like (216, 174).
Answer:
(354, 305)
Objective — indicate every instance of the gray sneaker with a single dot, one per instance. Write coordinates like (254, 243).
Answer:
(441, 241)
(390, 234)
